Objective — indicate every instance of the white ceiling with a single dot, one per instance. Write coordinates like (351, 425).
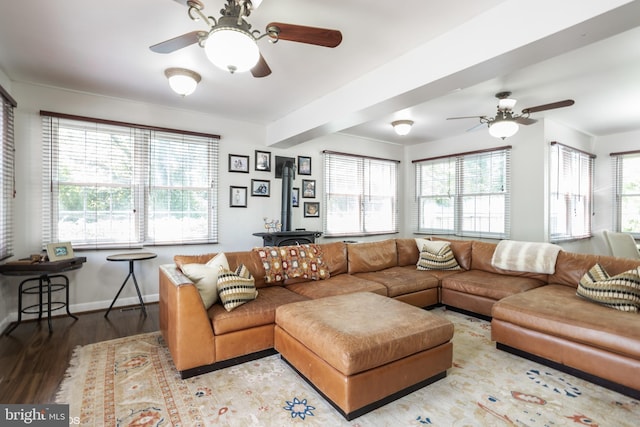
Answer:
(103, 48)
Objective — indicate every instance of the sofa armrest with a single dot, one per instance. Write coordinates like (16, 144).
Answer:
(184, 321)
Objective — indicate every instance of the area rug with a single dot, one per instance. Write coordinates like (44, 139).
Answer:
(132, 382)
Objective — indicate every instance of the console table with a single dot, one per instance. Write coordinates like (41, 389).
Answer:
(43, 272)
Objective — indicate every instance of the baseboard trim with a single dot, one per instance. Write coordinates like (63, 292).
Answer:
(619, 388)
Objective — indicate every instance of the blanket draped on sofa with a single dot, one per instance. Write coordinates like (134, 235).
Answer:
(531, 257)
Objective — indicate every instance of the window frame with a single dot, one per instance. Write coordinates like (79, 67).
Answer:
(619, 193)
(7, 173)
(129, 182)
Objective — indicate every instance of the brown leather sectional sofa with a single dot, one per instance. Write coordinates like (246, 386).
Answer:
(534, 315)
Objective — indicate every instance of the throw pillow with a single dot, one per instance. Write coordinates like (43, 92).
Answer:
(420, 242)
(236, 287)
(272, 263)
(621, 292)
(205, 277)
(437, 255)
(303, 261)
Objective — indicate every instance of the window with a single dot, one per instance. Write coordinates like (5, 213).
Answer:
(465, 194)
(361, 195)
(7, 187)
(570, 207)
(626, 169)
(111, 184)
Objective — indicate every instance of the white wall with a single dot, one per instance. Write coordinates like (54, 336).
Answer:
(95, 285)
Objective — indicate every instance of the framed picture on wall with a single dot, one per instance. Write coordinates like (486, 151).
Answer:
(260, 188)
(311, 209)
(304, 165)
(280, 161)
(238, 197)
(308, 188)
(238, 163)
(263, 161)
(295, 197)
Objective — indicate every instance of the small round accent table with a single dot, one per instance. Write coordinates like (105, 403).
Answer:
(131, 258)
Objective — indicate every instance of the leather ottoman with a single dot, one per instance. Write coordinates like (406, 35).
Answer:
(362, 350)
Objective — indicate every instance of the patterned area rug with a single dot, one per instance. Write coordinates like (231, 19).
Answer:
(132, 382)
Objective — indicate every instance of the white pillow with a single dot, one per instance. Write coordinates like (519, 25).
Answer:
(433, 246)
(205, 277)
(420, 242)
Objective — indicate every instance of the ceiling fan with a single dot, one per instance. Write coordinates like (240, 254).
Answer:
(505, 123)
(230, 43)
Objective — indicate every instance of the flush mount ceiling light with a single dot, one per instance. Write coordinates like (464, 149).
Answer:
(182, 81)
(402, 127)
(506, 122)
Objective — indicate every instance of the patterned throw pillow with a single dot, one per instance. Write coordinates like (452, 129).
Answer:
(205, 277)
(272, 263)
(303, 261)
(437, 256)
(236, 287)
(621, 292)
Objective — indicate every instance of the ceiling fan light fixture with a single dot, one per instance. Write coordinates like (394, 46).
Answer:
(182, 81)
(232, 49)
(402, 127)
(503, 127)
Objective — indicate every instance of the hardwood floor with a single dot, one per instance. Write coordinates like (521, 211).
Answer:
(33, 362)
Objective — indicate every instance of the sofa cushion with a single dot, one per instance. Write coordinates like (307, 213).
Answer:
(461, 250)
(371, 256)
(437, 256)
(260, 312)
(337, 285)
(236, 287)
(556, 310)
(335, 257)
(401, 280)
(621, 292)
(571, 267)
(408, 252)
(489, 285)
(205, 277)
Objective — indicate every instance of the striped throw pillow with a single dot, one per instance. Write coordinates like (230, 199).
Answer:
(621, 292)
(236, 287)
(437, 256)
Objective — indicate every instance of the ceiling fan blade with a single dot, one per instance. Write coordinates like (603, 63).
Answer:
(525, 121)
(179, 42)
(310, 35)
(553, 105)
(467, 117)
(261, 69)
(476, 127)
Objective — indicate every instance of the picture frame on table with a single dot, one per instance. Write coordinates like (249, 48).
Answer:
(295, 197)
(237, 197)
(260, 187)
(304, 165)
(311, 209)
(238, 163)
(263, 161)
(59, 251)
(308, 188)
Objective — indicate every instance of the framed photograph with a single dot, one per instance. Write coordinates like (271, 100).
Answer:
(238, 163)
(308, 188)
(280, 163)
(311, 209)
(263, 161)
(59, 251)
(295, 197)
(260, 188)
(238, 197)
(304, 165)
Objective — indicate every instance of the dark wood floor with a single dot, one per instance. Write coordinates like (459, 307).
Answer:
(33, 362)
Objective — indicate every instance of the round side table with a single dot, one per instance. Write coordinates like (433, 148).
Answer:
(131, 258)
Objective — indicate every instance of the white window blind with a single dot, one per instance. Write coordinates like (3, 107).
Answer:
(626, 195)
(571, 193)
(110, 184)
(361, 195)
(7, 180)
(466, 194)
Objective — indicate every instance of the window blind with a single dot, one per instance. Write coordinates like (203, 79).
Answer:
(7, 177)
(361, 195)
(112, 184)
(465, 194)
(626, 192)
(570, 207)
